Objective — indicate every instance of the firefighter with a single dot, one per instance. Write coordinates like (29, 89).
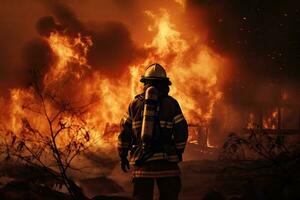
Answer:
(155, 133)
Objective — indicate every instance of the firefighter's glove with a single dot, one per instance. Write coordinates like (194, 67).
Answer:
(125, 164)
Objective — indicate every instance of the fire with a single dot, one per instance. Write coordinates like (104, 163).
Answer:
(195, 82)
(70, 52)
(194, 79)
(167, 39)
(251, 122)
(180, 2)
(271, 121)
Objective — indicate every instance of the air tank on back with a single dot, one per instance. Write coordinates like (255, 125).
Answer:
(149, 114)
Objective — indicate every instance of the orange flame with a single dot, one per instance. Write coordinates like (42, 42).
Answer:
(251, 122)
(271, 121)
(194, 78)
(69, 51)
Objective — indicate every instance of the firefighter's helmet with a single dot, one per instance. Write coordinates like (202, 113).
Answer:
(155, 72)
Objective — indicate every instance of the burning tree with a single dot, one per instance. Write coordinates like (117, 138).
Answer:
(54, 144)
(46, 127)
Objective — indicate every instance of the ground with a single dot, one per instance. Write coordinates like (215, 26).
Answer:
(251, 179)
(203, 177)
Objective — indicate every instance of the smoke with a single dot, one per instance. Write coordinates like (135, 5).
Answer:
(66, 17)
(47, 25)
(112, 51)
(38, 58)
(113, 48)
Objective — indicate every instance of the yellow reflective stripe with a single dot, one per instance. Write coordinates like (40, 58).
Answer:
(157, 156)
(123, 144)
(180, 145)
(165, 124)
(127, 118)
(173, 158)
(163, 156)
(150, 113)
(178, 118)
(140, 173)
(136, 124)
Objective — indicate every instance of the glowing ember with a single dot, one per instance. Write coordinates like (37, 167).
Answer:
(271, 121)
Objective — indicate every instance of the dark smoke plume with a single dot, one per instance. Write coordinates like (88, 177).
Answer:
(66, 18)
(38, 58)
(113, 49)
(47, 25)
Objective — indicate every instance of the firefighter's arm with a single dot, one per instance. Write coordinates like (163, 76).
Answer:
(125, 136)
(180, 131)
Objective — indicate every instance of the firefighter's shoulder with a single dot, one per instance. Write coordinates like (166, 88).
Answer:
(139, 97)
(171, 100)
(137, 101)
(171, 103)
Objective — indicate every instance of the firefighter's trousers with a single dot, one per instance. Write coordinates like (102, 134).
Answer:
(168, 187)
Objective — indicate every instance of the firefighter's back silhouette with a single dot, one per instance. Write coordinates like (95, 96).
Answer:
(154, 132)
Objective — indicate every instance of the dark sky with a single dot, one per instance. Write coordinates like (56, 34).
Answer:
(263, 38)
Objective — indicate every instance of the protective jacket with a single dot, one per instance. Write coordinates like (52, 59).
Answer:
(162, 158)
